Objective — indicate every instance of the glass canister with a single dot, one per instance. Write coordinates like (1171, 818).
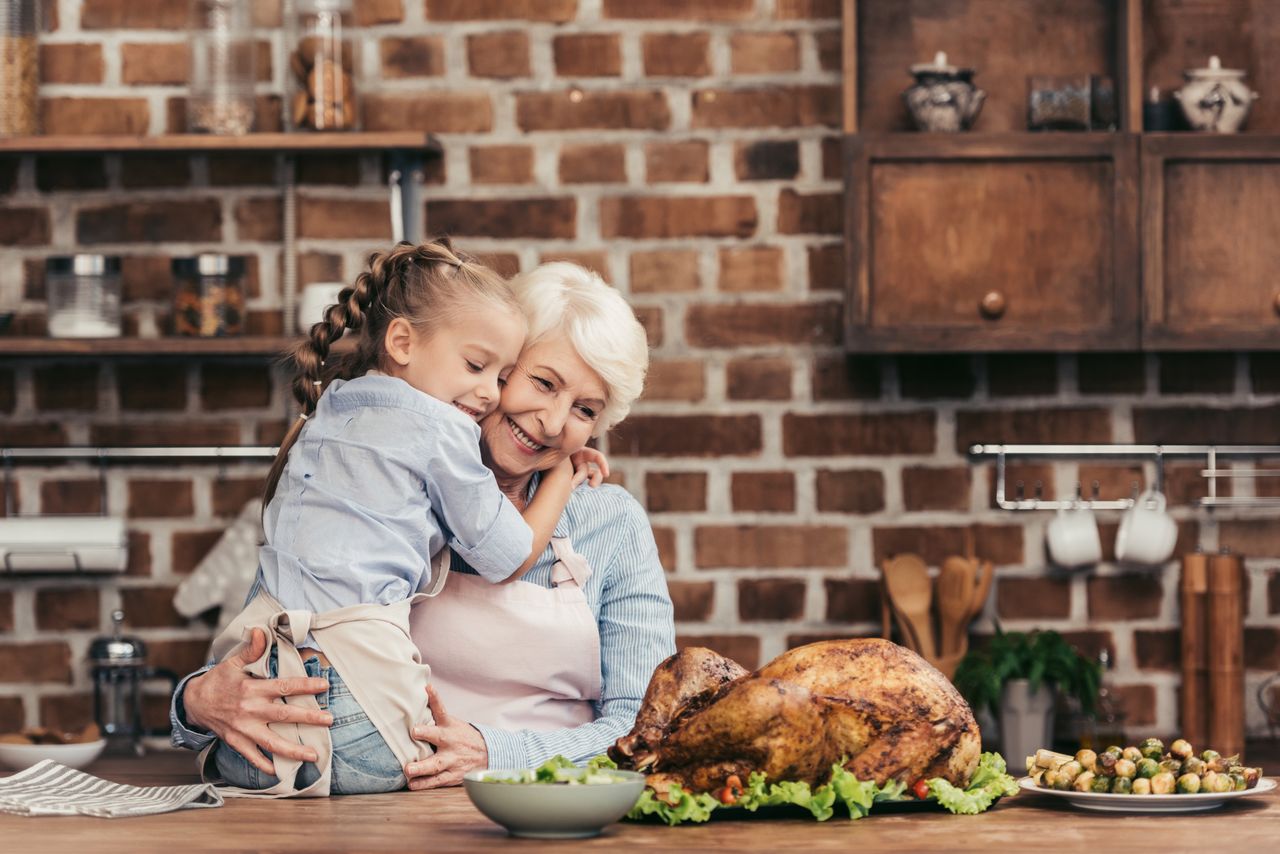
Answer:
(322, 65)
(19, 67)
(223, 72)
(208, 300)
(83, 293)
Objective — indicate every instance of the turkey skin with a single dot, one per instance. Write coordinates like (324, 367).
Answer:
(879, 708)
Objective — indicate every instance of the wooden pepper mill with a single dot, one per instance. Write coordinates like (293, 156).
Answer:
(1194, 594)
(1225, 627)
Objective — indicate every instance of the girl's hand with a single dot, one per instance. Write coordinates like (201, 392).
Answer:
(594, 463)
(459, 748)
(236, 707)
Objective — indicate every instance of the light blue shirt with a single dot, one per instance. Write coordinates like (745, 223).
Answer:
(381, 478)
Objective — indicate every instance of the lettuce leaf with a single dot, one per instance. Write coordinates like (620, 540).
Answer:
(989, 782)
(686, 806)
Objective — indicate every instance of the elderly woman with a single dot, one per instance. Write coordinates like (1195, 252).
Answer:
(556, 662)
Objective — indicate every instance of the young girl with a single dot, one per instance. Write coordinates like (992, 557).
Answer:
(381, 471)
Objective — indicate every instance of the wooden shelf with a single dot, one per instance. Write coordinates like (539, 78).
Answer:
(196, 143)
(249, 345)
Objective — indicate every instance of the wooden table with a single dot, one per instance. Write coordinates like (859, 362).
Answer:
(444, 820)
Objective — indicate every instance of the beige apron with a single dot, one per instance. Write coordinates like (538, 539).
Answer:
(371, 649)
(517, 655)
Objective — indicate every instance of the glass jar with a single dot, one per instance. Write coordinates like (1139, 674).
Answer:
(322, 65)
(223, 74)
(19, 67)
(208, 300)
(83, 293)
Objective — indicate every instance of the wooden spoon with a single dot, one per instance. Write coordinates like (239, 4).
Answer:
(907, 579)
(985, 573)
(955, 602)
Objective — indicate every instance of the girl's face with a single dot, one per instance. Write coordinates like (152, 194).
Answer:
(466, 361)
(549, 410)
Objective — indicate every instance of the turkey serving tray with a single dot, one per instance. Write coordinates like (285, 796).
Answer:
(1147, 803)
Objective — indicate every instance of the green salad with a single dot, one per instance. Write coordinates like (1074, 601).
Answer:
(989, 783)
(560, 771)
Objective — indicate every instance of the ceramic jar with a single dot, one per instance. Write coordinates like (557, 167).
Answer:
(943, 97)
(1215, 98)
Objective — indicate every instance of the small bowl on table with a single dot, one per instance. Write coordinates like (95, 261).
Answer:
(579, 805)
(18, 757)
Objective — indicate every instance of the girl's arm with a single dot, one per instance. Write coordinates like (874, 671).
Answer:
(546, 507)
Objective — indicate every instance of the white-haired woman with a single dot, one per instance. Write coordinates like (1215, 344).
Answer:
(556, 662)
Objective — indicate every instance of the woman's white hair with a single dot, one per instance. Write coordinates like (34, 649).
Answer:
(560, 298)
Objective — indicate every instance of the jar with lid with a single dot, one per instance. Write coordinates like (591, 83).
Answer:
(83, 293)
(223, 72)
(19, 66)
(322, 64)
(208, 299)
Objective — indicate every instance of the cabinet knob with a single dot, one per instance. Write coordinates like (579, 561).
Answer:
(993, 305)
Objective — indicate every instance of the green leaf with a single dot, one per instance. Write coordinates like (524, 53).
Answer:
(989, 782)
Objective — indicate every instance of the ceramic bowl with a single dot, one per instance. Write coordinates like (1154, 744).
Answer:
(549, 810)
(20, 756)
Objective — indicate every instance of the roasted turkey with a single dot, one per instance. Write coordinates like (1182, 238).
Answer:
(881, 709)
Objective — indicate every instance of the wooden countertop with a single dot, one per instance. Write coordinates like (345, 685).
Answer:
(444, 820)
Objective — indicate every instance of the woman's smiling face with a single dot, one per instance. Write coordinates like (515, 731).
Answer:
(548, 410)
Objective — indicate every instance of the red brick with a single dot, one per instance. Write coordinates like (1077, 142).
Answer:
(1157, 649)
(676, 162)
(675, 379)
(1264, 372)
(650, 318)
(816, 213)
(686, 436)
(343, 219)
(1033, 598)
(1184, 485)
(763, 492)
(180, 656)
(1033, 426)
(71, 172)
(369, 12)
(539, 218)
(1090, 643)
(190, 547)
(67, 608)
(1138, 702)
(762, 378)
(850, 491)
(550, 11)
(1262, 648)
(71, 63)
(150, 608)
(941, 488)
(881, 433)
(1202, 425)
(1022, 374)
(233, 170)
(1001, 544)
(926, 377)
(431, 112)
(319, 267)
(744, 649)
(561, 111)
(595, 261)
(156, 499)
(498, 55)
(38, 435)
(1125, 597)
(763, 52)
(234, 387)
(93, 116)
(775, 546)
(671, 216)
(71, 497)
(681, 10)
(665, 538)
(587, 55)
(1028, 475)
(846, 378)
(8, 393)
(152, 387)
(259, 219)
(6, 611)
(773, 106)
(1111, 373)
(155, 170)
(809, 9)
(675, 492)
(830, 47)
(693, 600)
(66, 387)
(1250, 536)
(66, 712)
(501, 164)
(770, 599)
(198, 220)
(420, 56)
(742, 325)
(593, 164)
(750, 268)
(826, 267)
(1111, 481)
(24, 227)
(852, 600)
(139, 554)
(676, 54)
(1197, 373)
(231, 494)
(12, 715)
(154, 64)
(133, 15)
(665, 271)
(45, 662)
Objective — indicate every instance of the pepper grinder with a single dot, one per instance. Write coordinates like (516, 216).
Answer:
(119, 671)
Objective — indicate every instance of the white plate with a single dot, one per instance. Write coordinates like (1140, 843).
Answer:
(20, 756)
(1147, 803)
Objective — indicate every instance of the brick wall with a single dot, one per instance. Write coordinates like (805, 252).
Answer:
(688, 151)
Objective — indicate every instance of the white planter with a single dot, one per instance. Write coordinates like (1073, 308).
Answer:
(1026, 720)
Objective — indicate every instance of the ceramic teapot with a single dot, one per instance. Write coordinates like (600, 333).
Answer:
(1215, 98)
(943, 97)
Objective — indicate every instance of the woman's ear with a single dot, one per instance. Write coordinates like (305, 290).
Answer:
(399, 341)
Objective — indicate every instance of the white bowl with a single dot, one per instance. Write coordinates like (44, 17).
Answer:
(20, 756)
(549, 810)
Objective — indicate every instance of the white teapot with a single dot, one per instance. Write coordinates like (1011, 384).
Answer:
(1215, 98)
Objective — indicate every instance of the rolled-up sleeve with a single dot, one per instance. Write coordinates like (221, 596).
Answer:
(181, 734)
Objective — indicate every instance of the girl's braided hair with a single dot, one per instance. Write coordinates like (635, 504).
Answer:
(426, 284)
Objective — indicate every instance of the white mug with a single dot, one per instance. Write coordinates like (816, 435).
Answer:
(316, 297)
(1147, 533)
(1073, 537)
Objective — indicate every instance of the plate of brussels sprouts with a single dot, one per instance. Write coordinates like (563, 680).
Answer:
(1144, 779)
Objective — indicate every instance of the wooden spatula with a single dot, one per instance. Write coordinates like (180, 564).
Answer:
(982, 589)
(955, 603)
(907, 579)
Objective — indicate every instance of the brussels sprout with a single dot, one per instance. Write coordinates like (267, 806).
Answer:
(1141, 786)
(1238, 782)
(1152, 748)
(1208, 780)
(1195, 765)
(1121, 786)
(1087, 759)
(1148, 768)
(1100, 785)
(1047, 779)
(1063, 782)
(1133, 754)
(1125, 768)
(1223, 783)
(1084, 783)
(1162, 783)
(1210, 756)
(1070, 770)
(1181, 748)
(1188, 784)
(1251, 777)
(1115, 751)
(1173, 765)
(1106, 764)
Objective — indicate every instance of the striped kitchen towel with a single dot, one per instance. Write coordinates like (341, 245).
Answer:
(48, 788)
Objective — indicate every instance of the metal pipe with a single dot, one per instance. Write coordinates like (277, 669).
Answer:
(1086, 451)
(10, 456)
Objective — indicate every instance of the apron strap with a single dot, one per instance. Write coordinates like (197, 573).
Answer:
(570, 567)
(440, 562)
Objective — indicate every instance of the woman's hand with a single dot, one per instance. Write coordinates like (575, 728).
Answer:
(236, 707)
(594, 463)
(459, 748)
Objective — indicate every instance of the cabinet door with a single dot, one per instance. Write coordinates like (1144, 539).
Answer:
(974, 242)
(1211, 242)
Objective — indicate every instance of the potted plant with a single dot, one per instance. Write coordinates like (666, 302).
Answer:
(1016, 676)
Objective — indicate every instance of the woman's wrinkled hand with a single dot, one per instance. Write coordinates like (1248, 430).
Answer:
(459, 748)
(236, 707)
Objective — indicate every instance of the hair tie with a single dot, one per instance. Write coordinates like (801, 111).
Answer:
(304, 416)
